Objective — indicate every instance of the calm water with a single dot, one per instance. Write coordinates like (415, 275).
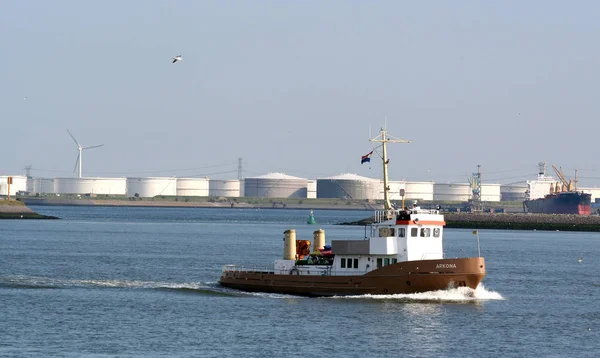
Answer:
(143, 282)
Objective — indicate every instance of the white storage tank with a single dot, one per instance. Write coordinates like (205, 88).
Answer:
(311, 190)
(275, 185)
(87, 185)
(29, 185)
(395, 188)
(452, 191)
(19, 183)
(419, 190)
(43, 185)
(513, 192)
(229, 188)
(595, 192)
(349, 186)
(490, 192)
(151, 186)
(192, 186)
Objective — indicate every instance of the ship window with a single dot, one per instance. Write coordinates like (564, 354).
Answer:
(386, 261)
(414, 232)
(425, 232)
(401, 232)
(355, 263)
(436, 232)
(394, 261)
(379, 262)
(343, 263)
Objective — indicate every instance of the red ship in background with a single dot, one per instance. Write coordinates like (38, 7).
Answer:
(563, 197)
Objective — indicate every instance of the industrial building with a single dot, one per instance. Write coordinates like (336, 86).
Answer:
(349, 186)
(275, 185)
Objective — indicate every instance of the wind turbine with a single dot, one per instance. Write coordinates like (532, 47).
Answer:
(80, 148)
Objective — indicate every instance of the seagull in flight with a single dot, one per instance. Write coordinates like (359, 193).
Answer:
(177, 58)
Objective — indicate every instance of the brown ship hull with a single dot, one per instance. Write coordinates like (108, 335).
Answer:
(403, 277)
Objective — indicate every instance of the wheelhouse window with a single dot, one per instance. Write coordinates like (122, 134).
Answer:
(355, 263)
(401, 232)
(386, 261)
(379, 262)
(436, 232)
(414, 232)
(387, 232)
(343, 263)
(425, 232)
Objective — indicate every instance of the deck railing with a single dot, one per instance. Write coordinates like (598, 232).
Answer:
(384, 215)
(308, 270)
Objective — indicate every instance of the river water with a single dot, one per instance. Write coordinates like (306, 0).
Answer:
(142, 282)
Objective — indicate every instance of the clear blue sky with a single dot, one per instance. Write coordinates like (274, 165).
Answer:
(294, 86)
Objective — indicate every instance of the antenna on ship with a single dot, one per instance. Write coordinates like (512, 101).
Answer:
(80, 148)
(384, 138)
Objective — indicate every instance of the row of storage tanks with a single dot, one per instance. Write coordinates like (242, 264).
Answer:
(274, 185)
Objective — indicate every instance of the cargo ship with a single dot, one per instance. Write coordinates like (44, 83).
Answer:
(574, 202)
(402, 253)
(545, 196)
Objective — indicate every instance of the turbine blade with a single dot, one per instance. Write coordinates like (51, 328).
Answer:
(74, 140)
(94, 146)
(76, 163)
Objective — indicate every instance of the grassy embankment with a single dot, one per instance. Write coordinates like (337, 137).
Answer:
(14, 209)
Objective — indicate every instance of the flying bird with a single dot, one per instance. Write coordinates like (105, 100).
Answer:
(177, 58)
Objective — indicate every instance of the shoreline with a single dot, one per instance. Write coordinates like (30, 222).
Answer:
(13, 209)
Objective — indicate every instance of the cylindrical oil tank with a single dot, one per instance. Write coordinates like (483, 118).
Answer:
(452, 191)
(289, 244)
(311, 189)
(595, 192)
(19, 184)
(395, 189)
(513, 192)
(96, 186)
(490, 192)
(349, 186)
(150, 187)
(226, 188)
(319, 239)
(419, 190)
(192, 186)
(43, 185)
(29, 185)
(275, 185)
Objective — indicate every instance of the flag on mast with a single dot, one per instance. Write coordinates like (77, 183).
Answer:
(366, 158)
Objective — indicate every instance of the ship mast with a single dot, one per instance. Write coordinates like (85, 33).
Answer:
(384, 138)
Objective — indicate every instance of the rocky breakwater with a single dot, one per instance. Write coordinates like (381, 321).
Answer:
(13, 209)
(514, 221)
